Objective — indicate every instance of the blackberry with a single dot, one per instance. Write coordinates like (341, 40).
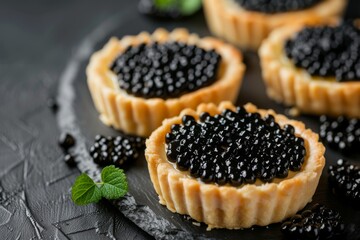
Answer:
(165, 70)
(117, 151)
(327, 51)
(70, 160)
(276, 6)
(138, 142)
(341, 133)
(66, 141)
(344, 179)
(317, 223)
(234, 147)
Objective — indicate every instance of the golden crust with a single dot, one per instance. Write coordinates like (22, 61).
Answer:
(227, 206)
(293, 86)
(140, 116)
(247, 29)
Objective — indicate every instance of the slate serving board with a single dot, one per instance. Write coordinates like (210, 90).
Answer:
(78, 116)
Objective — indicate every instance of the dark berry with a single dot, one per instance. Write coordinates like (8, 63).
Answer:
(117, 151)
(70, 160)
(344, 179)
(276, 6)
(66, 141)
(234, 147)
(165, 70)
(327, 51)
(138, 142)
(317, 223)
(341, 133)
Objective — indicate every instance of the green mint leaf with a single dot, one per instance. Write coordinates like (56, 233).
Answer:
(114, 183)
(165, 4)
(188, 7)
(85, 191)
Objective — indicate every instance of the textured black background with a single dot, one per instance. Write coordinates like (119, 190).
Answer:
(37, 39)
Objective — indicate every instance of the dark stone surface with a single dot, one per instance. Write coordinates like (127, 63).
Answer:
(38, 39)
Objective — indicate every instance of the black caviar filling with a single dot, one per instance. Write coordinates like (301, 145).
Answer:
(344, 178)
(165, 70)
(317, 223)
(341, 133)
(327, 51)
(276, 6)
(234, 147)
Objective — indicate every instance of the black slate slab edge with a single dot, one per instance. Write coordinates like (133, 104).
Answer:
(141, 215)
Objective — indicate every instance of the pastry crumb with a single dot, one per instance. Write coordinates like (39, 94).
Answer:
(196, 224)
(293, 112)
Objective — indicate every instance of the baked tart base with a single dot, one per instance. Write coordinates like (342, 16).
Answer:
(292, 86)
(227, 206)
(140, 116)
(248, 29)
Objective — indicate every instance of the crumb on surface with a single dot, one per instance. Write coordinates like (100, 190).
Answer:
(196, 224)
(293, 112)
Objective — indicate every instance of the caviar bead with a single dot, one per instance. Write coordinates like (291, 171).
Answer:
(319, 222)
(188, 120)
(52, 104)
(276, 6)
(66, 141)
(234, 147)
(70, 160)
(117, 151)
(344, 179)
(150, 71)
(290, 129)
(327, 51)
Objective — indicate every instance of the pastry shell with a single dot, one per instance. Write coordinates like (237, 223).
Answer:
(293, 86)
(139, 116)
(227, 206)
(247, 29)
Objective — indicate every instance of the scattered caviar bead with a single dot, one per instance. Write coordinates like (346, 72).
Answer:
(341, 133)
(165, 70)
(53, 105)
(66, 141)
(276, 6)
(70, 160)
(117, 151)
(344, 179)
(317, 223)
(327, 51)
(234, 147)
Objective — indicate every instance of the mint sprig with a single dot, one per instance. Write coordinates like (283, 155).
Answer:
(85, 191)
(113, 185)
(186, 7)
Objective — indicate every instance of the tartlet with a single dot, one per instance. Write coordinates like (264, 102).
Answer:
(294, 86)
(140, 116)
(247, 29)
(223, 205)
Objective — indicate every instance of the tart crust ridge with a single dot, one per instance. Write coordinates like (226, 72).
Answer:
(294, 86)
(135, 115)
(227, 206)
(248, 28)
